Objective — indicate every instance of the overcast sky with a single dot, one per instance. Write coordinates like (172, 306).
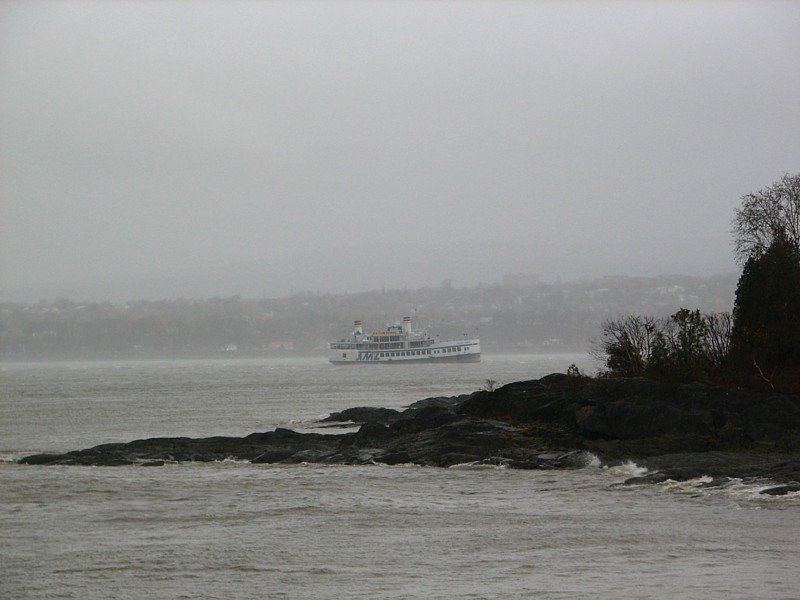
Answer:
(167, 149)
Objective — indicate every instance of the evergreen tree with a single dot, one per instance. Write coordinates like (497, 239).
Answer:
(766, 314)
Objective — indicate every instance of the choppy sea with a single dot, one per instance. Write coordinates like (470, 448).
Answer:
(236, 530)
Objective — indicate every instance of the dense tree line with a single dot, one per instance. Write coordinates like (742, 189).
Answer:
(759, 344)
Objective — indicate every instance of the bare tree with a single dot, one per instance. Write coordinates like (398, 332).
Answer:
(767, 215)
(627, 343)
(688, 345)
(718, 339)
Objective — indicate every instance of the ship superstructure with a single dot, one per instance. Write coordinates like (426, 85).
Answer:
(401, 344)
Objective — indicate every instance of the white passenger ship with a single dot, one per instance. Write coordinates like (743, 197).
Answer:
(401, 344)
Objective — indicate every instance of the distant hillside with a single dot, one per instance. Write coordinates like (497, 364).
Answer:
(520, 315)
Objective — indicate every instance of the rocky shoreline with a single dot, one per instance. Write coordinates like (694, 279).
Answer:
(559, 421)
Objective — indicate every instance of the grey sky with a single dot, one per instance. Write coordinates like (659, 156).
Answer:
(167, 149)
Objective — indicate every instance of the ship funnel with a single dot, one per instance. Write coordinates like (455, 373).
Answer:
(359, 329)
(407, 324)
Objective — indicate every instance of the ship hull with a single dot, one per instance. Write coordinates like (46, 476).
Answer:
(465, 358)
(462, 351)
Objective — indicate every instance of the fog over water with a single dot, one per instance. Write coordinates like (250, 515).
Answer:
(168, 149)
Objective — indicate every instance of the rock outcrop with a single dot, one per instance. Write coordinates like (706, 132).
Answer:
(677, 431)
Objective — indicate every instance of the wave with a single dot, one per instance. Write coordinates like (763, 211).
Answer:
(479, 465)
(753, 489)
(626, 470)
(592, 460)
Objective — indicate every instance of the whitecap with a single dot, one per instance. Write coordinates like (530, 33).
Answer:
(627, 470)
(478, 465)
(592, 460)
(688, 485)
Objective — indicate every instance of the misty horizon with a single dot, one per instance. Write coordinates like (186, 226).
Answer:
(361, 269)
(163, 150)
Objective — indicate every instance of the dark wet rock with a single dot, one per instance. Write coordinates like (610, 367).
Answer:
(647, 479)
(426, 418)
(782, 490)
(45, 459)
(364, 414)
(741, 465)
(593, 422)
(675, 431)
(451, 402)
(617, 415)
(396, 458)
(370, 434)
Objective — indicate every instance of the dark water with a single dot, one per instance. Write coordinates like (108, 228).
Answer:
(235, 530)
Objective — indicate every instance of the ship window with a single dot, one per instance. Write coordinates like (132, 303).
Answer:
(344, 354)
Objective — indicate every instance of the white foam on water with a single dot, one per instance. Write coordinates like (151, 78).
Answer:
(751, 490)
(477, 466)
(626, 470)
(689, 485)
(232, 461)
(592, 460)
